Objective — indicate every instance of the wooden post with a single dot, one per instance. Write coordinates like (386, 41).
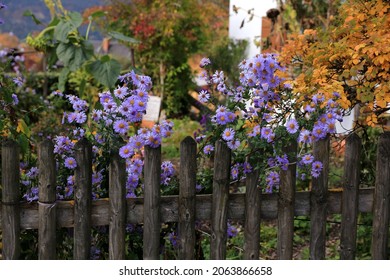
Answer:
(117, 195)
(82, 200)
(151, 233)
(286, 202)
(220, 201)
(47, 201)
(252, 217)
(381, 208)
(187, 199)
(350, 197)
(319, 201)
(10, 200)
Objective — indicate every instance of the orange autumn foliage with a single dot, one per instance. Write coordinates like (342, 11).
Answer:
(351, 57)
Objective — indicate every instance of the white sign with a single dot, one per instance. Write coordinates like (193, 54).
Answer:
(153, 109)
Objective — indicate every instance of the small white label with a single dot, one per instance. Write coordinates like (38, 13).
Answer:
(153, 109)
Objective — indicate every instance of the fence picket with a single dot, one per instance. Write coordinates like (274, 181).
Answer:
(220, 201)
(117, 195)
(252, 217)
(187, 200)
(82, 200)
(381, 209)
(47, 202)
(350, 197)
(10, 221)
(286, 206)
(151, 232)
(319, 201)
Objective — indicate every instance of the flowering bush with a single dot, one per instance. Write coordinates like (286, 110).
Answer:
(113, 125)
(260, 116)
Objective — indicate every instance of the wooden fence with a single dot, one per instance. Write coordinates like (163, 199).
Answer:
(152, 209)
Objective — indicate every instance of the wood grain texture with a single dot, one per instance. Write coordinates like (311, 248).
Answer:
(10, 222)
(381, 208)
(286, 205)
(319, 202)
(47, 202)
(151, 217)
(350, 198)
(219, 208)
(117, 209)
(82, 200)
(187, 201)
(252, 217)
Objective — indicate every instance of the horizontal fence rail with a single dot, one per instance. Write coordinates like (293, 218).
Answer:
(152, 210)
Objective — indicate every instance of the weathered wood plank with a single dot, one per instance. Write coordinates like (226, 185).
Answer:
(252, 217)
(170, 204)
(381, 209)
(47, 202)
(10, 222)
(152, 224)
(319, 202)
(219, 206)
(82, 200)
(286, 205)
(187, 177)
(350, 198)
(117, 210)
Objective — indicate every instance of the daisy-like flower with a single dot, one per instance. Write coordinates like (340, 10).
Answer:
(121, 92)
(233, 144)
(81, 117)
(228, 134)
(218, 77)
(305, 137)
(208, 149)
(307, 159)
(316, 169)
(121, 126)
(204, 96)
(126, 151)
(292, 126)
(70, 163)
(204, 62)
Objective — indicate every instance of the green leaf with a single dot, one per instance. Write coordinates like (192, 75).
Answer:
(65, 26)
(98, 14)
(122, 37)
(105, 70)
(23, 143)
(23, 128)
(62, 78)
(28, 13)
(74, 56)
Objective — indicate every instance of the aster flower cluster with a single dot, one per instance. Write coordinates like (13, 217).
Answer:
(115, 123)
(261, 115)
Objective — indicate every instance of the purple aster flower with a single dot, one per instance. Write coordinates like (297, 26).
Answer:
(71, 117)
(305, 137)
(167, 171)
(221, 87)
(105, 97)
(319, 131)
(70, 163)
(228, 134)
(221, 118)
(18, 81)
(97, 177)
(121, 92)
(247, 168)
(199, 188)
(282, 162)
(232, 231)
(80, 105)
(235, 171)
(110, 107)
(307, 159)
(316, 169)
(121, 127)
(292, 126)
(132, 182)
(81, 117)
(153, 140)
(68, 191)
(272, 181)
(57, 93)
(174, 239)
(204, 96)
(234, 144)
(126, 151)
(204, 62)
(97, 115)
(218, 77)
(208, 149)
(32, 173)
(15, 100)
(268, 134)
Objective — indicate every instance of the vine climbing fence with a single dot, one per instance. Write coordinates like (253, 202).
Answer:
(152, 209)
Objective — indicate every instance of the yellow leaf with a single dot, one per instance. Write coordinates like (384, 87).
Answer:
(23, 128)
